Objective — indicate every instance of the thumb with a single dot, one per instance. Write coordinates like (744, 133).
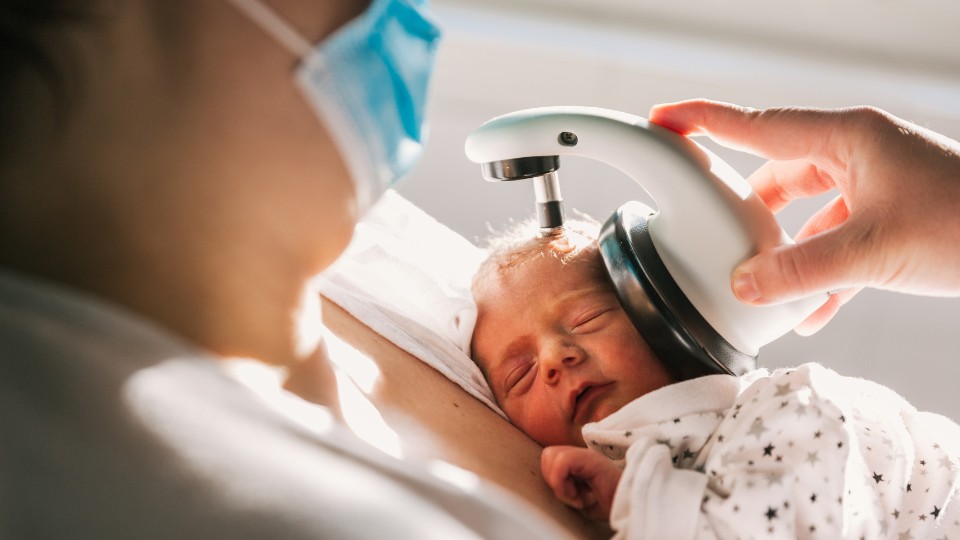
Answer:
(828, 261)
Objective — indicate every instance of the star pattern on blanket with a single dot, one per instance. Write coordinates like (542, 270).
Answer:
(782, 450)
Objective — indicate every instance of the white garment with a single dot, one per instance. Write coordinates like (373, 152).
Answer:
(112, 428)
(799, 453)
(407, 276)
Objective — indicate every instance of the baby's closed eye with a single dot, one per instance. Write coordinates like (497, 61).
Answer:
(591, 320)
(519, 376)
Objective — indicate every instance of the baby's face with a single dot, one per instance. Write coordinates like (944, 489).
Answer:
(557, 348)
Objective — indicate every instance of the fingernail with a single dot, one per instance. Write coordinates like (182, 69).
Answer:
(745, 287)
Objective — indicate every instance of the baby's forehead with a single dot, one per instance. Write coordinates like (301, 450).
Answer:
(521, 257)
(528, 273)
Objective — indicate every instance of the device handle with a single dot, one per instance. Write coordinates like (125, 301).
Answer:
(709, 218)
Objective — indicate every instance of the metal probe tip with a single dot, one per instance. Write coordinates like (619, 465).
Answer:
(549, 204)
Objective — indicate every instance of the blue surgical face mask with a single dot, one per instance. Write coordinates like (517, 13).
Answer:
(368, 84)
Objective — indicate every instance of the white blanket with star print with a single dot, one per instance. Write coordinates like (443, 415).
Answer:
(798, 453)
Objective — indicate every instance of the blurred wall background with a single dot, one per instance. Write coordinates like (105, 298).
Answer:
(902, 56)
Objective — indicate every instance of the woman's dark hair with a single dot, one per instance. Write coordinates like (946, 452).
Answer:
(33, 72)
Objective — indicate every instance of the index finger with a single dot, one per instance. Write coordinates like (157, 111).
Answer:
(776, 133)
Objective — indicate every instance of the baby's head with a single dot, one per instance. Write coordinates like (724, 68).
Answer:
(551, 338)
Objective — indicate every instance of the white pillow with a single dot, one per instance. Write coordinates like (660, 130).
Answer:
(407, 276)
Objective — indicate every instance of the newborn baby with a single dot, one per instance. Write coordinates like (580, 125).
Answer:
(551, 338)
(794, 453)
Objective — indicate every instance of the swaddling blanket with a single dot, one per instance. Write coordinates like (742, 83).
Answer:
(797, 453)
(407, 277)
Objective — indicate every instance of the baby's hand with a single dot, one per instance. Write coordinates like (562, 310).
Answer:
(581, 478)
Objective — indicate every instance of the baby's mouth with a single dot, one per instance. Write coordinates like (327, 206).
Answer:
(585, 401)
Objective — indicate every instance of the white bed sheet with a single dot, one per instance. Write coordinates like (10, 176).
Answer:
(407, 276)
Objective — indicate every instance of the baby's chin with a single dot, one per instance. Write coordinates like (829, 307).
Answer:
(605, 408)
(602, 411)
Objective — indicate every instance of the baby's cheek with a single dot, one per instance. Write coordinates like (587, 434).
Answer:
(541, 426)
(520, 417)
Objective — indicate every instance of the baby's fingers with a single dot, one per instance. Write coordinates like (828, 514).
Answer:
(585, 494)
(556, 472)
(569, 495)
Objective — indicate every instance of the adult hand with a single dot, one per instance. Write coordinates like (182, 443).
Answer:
(895, 224)
(581, 478)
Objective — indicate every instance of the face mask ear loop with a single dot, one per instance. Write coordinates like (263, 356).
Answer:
(273, 24)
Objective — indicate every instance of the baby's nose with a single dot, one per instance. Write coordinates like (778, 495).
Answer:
(557, 358)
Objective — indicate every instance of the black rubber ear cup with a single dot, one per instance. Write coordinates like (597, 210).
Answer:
(676, 332)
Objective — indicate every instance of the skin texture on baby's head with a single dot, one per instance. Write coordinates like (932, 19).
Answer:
(551, 337)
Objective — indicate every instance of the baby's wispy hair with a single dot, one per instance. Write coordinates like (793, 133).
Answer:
(520, 242)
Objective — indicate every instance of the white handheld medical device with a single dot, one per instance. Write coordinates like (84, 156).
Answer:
(670, 268)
